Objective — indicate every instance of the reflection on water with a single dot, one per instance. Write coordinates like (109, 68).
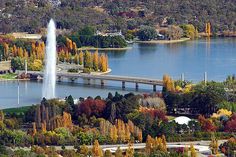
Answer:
(116, 54)
(30, 91)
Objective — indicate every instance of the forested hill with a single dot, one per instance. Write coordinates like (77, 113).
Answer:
(31, 15)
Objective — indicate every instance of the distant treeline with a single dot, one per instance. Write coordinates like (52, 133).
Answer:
(31, 16)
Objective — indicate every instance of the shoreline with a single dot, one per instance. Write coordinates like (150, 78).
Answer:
(92, 73)
(102, 73)
(163, 41)
(104, 49)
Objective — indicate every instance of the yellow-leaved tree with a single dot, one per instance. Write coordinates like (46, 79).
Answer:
(96, 149)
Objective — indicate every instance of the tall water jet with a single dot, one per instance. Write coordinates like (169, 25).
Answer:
(49, 78)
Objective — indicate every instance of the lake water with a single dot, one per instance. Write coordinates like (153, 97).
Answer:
(217, 57)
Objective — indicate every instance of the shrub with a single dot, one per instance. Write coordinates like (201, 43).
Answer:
(73, 70)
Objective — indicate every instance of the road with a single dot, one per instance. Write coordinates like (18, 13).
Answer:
(201, 146)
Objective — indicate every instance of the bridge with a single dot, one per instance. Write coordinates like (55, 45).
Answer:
(102, 78)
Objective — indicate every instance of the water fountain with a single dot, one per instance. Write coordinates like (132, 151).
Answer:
(49, 81)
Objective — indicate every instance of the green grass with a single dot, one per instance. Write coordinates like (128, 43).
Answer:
(18, 110)
(171, 117)
(8, 76)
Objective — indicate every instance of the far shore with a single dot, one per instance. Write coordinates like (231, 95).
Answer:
(104, 49)
(163, 41)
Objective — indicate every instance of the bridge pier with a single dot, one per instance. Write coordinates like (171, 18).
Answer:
(72, 79)
(59, 78)
(123, 84)
(154, 88)
(102, 83)
(136, 86)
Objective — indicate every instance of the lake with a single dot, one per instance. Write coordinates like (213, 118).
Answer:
(217, 57)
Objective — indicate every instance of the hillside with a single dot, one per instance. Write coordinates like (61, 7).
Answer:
(31, 15)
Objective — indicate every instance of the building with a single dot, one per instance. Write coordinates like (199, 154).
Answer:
(112, 34)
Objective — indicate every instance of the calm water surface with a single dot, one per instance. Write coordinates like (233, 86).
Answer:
(217, 57)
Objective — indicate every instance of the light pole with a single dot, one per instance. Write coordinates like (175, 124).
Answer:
(18, 92)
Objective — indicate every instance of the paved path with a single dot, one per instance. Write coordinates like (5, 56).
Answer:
(201, 146)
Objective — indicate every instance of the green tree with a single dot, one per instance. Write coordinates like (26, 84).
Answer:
(147, 33)
(189, 31)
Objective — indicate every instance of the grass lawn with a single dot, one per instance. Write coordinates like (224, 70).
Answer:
(8, 76)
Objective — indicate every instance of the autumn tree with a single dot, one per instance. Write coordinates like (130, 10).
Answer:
(69, 44)
(193, 151)
(103, 63)
(118, 152)
(81, 58)
(107, 153)
(127, 133)
(206, 124)
(96, 150)
(113, 134)
(208, 29)
(120, 129)
(76, 58)
(74, 48)
(214, 145)
(6, 50)
(95, 61)
(174, 32)
(14, 50)
(149, 145)
(84, 150)
(25, 54)
(87, 60)
(168, 84)
(130, 151)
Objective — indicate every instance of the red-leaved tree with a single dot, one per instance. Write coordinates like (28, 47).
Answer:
(92, 107)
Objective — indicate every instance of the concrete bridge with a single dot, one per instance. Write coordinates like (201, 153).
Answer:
(102, 78)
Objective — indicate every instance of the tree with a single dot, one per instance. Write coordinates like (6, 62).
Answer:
(96, 150)
(207, 97)
(230, 125)
(118, 152)
(6, 50)
(206, 124)
(168, 84)
(103, 63)
(147, 33)
(84, 150)
(189, 31)
(208, 29)
(76, 59)
(88, 60)
(174, 32)
(95, 61)
(130, 151)
(81, 57)
(149, 145)
(108, 153)
(214, 145)
(193, 151)
(113, 134)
